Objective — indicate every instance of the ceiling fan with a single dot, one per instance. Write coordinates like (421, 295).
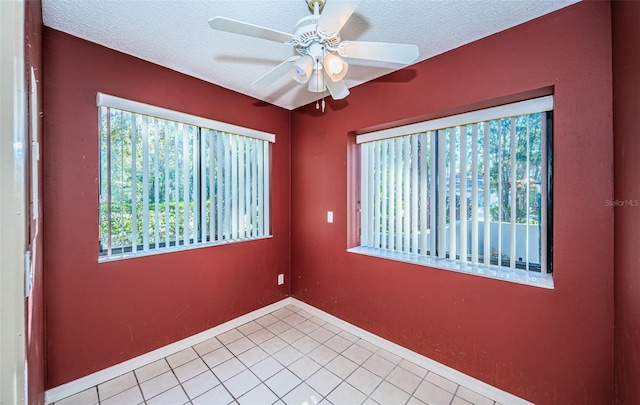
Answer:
(320, 49)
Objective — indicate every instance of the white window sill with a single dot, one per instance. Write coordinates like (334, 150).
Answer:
(495, 272)
(142, 253)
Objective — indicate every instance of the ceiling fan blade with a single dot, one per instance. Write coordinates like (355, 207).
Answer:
(335, 14)
(275, 73)
(251, 30)
(338, 90)
(380, 51)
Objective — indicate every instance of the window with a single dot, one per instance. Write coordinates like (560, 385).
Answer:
(470, 192)
(170, 180)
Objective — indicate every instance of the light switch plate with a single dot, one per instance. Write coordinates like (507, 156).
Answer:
(330, 217)
(280, 279)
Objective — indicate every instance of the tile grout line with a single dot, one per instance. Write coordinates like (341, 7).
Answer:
(135, 376)
(177, 379)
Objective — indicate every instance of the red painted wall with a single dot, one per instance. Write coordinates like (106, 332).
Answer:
(626, 106)
(34, 304)
(99, 315)
(547, 346)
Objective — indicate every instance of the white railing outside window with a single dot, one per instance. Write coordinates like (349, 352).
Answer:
(170, 180)
(471, 188)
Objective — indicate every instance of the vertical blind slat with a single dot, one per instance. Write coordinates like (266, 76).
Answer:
(486, 177)
(219, 185)
(433, 181)
(194, 184)
(254, 188)
(474, 193)
(247, 188)
(262, 166)
(109, 180)
(385, 194)
(364, 195)
(176, 174)
(442, 194)
(186, 200)
(267, 187)
(241, 189)
(414, 195)
(234, 187)
(513, 189)
(424, 185)
(167, 183)
(156, 183)
(400, 183)
(134, 184)
(452, 194)
(527, 176)
(145, 184)
(391, 238)
(406, 208)
(370, 194)
(500, 213)
(544, 192)
(227, 187)
(376, 192)
(463, 193)
(260, 181)
(211, 178)
(202, 145)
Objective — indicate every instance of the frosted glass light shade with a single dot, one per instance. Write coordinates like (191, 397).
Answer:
(316, 81)
(301, 69)
(335, 67)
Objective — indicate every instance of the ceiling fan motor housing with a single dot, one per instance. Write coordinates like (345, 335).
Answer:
(306, 35)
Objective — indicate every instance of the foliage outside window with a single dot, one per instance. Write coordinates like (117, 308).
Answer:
(166, 184)
(475, 190)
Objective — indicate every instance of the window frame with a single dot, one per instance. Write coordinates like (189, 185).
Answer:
(536, 105)
(198, 166)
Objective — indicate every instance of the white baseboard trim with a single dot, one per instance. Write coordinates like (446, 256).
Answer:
(478, 386)
(99, 377)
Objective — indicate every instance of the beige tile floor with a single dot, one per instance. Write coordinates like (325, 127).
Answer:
(286, 357)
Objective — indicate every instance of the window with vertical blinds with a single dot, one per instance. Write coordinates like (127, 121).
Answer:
(170, 180)
(470, 189)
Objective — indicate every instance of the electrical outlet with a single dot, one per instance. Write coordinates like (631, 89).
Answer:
(280, 279)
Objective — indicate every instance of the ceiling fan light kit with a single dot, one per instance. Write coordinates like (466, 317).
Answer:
(316, 40)
(301, 69)
(335, 67)
(316, 81)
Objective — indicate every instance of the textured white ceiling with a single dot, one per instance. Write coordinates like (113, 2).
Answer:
(176, 34)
